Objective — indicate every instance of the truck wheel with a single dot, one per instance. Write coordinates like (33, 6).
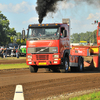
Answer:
(65, 66)
(33, 69)
(80, 65)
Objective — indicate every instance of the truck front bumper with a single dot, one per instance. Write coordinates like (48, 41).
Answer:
(43, 59)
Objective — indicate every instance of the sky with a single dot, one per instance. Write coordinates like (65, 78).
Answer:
(21, 13)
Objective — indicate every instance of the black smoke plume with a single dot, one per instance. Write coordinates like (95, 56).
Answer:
(46, 6)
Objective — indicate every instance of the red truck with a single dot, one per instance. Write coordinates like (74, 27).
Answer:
(48, 46)
(90, 53)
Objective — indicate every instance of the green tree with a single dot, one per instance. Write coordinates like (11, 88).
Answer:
(4, 26)
(90, 37)
(5, 31)
(23, 42)
(95, 37)
(18, 34)
(11, 31)
(18, 41)
(75, 38)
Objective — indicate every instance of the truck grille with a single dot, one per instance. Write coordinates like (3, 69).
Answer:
(42, 57)
(41, 50)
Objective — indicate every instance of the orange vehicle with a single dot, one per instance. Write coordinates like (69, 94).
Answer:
(48, 46)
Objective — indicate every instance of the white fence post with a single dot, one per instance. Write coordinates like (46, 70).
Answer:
(19, 93)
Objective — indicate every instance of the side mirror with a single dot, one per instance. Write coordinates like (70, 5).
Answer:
(64, 33)
(23, 34)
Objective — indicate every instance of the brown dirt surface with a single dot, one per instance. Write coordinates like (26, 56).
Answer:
(44, 84)
(11, 61)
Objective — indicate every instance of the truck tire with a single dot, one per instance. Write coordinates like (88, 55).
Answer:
(80, 65)
(65, 66)
(33, 69)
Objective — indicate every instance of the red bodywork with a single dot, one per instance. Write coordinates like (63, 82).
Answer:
(73, 59)
(98, 34)
(89, 51)
(80, 50)
(46, 59)
(86, 51)
(43, 58)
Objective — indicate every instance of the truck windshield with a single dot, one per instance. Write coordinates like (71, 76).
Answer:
(43, 33)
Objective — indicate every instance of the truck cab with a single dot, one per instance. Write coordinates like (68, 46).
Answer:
(48, 46)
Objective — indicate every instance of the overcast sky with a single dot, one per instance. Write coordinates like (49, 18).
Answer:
(21, 13)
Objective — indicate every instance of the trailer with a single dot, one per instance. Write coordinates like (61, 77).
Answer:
(90, 54)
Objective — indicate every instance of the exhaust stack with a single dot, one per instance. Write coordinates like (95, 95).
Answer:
(66, 21)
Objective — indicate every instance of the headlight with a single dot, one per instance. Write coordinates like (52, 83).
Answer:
(53, 49)
(55, 56)
(29, 56)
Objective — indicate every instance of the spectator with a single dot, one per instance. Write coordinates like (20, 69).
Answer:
(12, 53)
(17, 54)
(5, 52)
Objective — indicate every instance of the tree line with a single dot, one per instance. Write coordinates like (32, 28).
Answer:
(90, 37)
(7, 34)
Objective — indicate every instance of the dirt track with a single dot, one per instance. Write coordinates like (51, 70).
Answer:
(12, 61)
(45, 84)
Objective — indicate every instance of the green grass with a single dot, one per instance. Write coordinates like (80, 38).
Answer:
(91, 96)
(13, 66)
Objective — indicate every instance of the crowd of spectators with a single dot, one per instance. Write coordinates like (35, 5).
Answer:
(13, 52)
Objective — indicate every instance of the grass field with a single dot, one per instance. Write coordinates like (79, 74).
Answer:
(13, 66)
(91, 96)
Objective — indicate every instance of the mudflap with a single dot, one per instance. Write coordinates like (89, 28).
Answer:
(92, 62)
(96, 61)
(88, 63)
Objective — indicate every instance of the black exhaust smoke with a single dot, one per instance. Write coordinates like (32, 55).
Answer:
(46, 6)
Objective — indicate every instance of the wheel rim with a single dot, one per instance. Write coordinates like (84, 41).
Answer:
(66, 65)
(81, 67)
